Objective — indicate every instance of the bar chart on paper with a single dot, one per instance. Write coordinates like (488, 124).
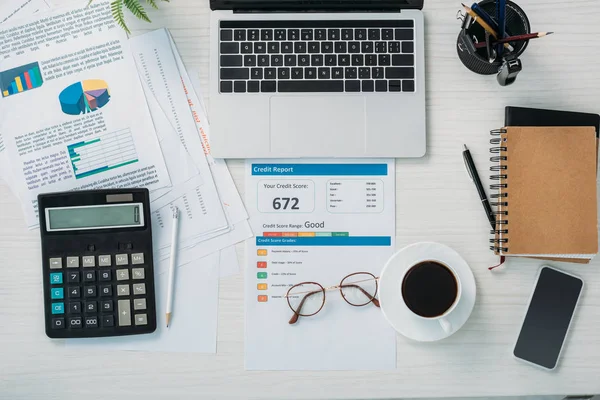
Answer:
(109, 151)
(20, 79)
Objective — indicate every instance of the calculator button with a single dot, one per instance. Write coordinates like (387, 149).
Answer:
(58, 308)
(105, 275)
(122, 274)
(56, 263)
(89, 276)
(107, 306)
(141, 319)
(108, 321)
(89, 261)
(124, 309)
(74, 307)
(89, 291)
(139, 304)
(91, 322)
(58, 323)
(105, 290)
(56, 278)
(74, 292)
(138, 273)
(91, 307)
(121, 259)
(57, 293)
(73, 276)
(139, 288)
(75, 322)
(104, 261)
(137, 258)
(72, 262)
(122, 290)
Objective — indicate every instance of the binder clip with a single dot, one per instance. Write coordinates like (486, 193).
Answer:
(511, 66)
(467, 20)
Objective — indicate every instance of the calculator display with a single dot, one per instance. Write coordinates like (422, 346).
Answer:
(95, 217)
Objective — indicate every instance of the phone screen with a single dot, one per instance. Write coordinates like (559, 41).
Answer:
(548, 318)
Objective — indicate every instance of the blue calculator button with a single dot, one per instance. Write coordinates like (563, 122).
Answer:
(56, 278)
(58, 308)
(57, 293)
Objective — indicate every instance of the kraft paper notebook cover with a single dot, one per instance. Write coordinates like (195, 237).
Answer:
(546, 192)
(522, 116)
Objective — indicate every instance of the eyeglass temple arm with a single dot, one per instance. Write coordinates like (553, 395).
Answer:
(296, 315)
(373, 299)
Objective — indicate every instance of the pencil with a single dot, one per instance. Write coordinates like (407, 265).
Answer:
(520, 38)
(484, 25)
(172, 262)
(485, 16)
(517, 38)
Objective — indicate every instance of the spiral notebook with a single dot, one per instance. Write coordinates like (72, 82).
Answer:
(545, 193)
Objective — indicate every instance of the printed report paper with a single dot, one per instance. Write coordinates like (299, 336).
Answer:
(200, 204)
(11, 9)
(230, 197)
(21, 8)
(72, 110)
(317, 221)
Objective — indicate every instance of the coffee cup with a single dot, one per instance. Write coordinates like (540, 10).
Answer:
(431, 290)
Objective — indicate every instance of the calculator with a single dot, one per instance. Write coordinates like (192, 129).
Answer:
(97, 263)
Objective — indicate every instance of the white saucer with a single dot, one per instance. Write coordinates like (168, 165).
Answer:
(390, 292)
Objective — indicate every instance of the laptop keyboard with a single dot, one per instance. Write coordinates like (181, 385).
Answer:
(316, 56)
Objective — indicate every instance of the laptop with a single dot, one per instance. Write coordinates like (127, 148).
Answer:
(322, 78)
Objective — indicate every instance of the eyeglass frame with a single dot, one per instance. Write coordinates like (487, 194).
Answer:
(297, 315)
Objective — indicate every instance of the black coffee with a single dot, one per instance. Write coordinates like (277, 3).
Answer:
(429, 289)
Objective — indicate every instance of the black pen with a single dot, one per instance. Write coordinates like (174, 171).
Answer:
(475, 178)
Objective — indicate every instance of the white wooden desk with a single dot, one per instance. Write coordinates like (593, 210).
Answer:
(435, 202)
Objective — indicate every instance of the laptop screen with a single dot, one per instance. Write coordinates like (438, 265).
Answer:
(300, 5)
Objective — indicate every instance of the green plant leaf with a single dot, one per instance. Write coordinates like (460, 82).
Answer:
(137, 9)
(132, 5)
(117, 11)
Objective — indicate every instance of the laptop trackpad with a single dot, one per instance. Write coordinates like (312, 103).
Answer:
(318, 125)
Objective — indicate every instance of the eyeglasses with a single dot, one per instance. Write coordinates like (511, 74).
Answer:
(308, 298)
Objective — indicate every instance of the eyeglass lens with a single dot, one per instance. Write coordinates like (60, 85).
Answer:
(359, 289)
(306, 299)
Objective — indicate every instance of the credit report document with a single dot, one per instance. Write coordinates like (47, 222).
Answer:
(317, 221)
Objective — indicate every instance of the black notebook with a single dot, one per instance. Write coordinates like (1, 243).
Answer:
(520, 116)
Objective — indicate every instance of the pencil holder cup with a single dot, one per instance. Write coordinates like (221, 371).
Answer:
(477, 60)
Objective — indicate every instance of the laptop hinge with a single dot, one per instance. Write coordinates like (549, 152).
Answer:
(320, 10)
(314, 6)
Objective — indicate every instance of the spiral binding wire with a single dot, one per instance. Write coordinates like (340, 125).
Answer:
(499, 149)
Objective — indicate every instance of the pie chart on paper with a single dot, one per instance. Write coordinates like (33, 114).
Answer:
(84, 97)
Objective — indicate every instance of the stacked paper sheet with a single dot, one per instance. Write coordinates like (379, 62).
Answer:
(118, 112)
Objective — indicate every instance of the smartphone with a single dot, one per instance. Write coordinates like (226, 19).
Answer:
(549, 315)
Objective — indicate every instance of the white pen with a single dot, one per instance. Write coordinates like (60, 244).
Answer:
(172, 265)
